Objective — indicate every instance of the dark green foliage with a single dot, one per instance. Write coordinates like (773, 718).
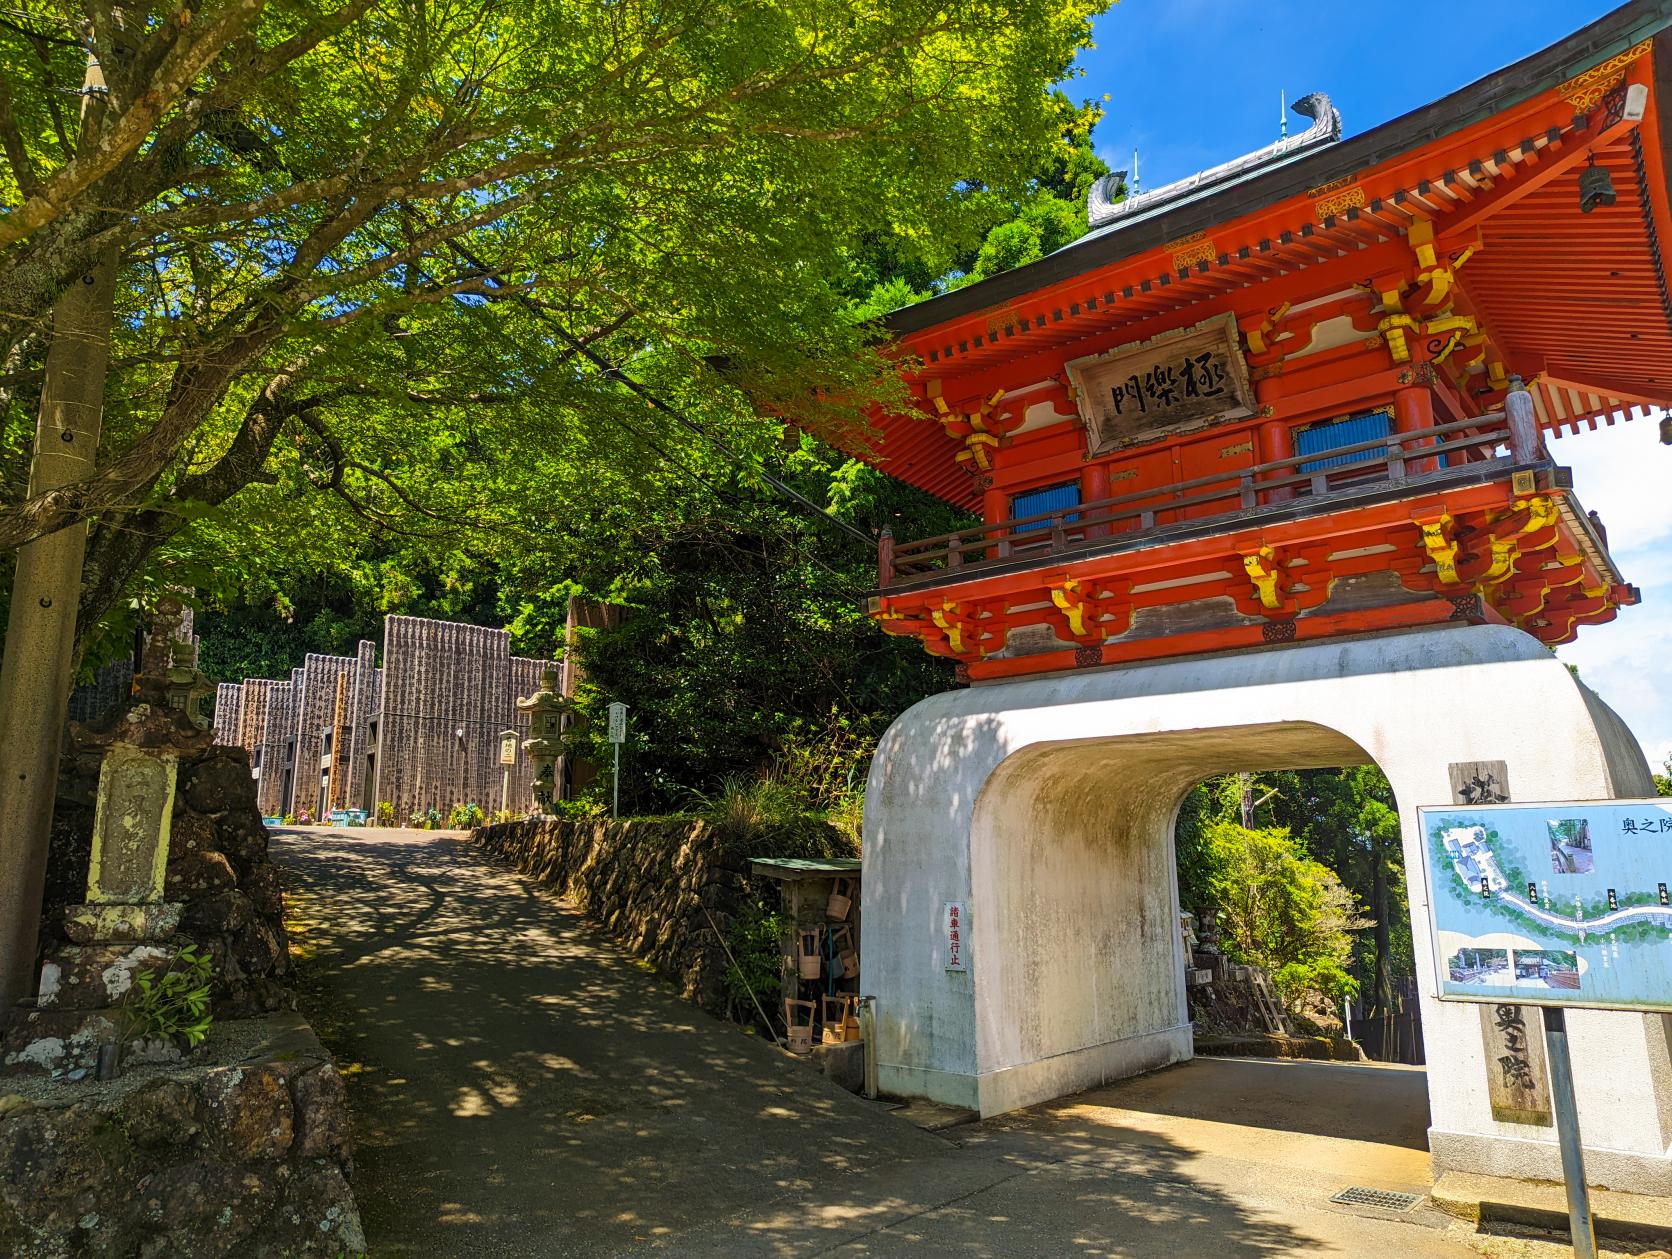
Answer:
(1344, 819)
(756, 957)
(171, 1004)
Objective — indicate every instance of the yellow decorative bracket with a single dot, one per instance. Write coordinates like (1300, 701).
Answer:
(1074, 607)
(948, 618)
(1260, 338)
(981, 430)
(1437, 541)
(1263, 570)
(1541, 513)
(1504, 554)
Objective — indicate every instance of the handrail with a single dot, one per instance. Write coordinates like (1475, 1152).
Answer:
(1052, 531)
(1414, 437)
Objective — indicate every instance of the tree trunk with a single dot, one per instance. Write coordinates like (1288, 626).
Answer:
(1383, 1008)
(39, 664)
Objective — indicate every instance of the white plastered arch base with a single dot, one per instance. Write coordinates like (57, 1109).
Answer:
(1046, 806)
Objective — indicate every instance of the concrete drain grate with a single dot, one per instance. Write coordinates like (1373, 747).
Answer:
(1359, 1196)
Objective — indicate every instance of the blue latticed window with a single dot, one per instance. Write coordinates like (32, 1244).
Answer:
(1051, 498)
(1370, 426)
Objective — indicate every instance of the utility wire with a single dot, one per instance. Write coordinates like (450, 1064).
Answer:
(610, 371)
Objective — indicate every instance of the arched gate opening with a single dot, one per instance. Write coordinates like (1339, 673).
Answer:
(1044, 811)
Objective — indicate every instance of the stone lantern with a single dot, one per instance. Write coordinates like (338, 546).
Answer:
(186, 688)
(546, 709)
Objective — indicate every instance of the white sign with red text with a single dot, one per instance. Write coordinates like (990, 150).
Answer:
(955, 934)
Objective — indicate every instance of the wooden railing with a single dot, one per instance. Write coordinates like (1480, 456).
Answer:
(1399, 457)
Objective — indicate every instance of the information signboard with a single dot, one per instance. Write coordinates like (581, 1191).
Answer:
(1560, 904)
(618, 722)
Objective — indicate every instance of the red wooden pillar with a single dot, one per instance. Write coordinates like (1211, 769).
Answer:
(1276, 444)
(1094, 488)
(1413, 409)
(995, 510)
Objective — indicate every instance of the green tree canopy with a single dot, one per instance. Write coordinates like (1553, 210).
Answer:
(360, 246)
(1281, 910)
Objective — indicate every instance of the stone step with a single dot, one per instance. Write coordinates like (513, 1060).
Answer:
(1543, 1204)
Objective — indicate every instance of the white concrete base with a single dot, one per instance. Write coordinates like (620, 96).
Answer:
(1047, 806)
(1033, 1082)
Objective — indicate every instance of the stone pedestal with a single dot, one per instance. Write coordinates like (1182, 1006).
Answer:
(1047, 807)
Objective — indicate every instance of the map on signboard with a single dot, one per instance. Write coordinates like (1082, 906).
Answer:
(1552, 904)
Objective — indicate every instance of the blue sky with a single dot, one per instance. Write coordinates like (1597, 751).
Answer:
(1192, 83)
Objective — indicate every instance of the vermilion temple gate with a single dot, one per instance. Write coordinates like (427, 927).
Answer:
(1262, 483)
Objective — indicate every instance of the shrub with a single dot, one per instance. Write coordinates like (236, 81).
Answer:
(848, 817)
(385, 813)
(582, 810)
(755, 941)
(290, 819)
(745, 807)
(465, 817)
(172, 1004)
(304, 818)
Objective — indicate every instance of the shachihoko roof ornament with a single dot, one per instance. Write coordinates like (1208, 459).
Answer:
(1325, 129)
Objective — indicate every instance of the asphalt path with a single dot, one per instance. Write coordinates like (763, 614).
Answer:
(522, 1087)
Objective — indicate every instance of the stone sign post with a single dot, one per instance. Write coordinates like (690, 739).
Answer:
(1517, 1077)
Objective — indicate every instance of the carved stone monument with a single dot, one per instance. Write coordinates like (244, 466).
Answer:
(126, 925)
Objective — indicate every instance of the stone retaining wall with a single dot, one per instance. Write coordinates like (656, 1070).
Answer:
(245, 1152)
(649, 881)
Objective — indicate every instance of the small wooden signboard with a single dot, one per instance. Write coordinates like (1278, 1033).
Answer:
(1517, 1076)
(1175, 382)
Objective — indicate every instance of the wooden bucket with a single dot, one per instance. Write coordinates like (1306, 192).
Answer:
(841, 900)
(809, 960)
(799, 1032)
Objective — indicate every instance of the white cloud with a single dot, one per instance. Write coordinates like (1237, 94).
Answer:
(1625, 476)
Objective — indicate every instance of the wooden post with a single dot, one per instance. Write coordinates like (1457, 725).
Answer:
(1517, 1082)
(38, 669)
(1094, 487)
(1524, 443)
(885, 558)
(336, 796)
(995, 510)
(1413, 409)
(1275, 443)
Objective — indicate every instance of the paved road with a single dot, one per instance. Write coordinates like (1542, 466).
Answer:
(522, 1088)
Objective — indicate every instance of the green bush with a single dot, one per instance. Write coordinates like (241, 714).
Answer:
(171, 1004)
(385, 813)
(580, 810)
(755, 941)
(465, 817)
(767, 817)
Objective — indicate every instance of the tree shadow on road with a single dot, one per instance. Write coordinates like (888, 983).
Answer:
(522, 1087)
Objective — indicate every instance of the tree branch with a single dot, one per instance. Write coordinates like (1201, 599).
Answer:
(123, 138)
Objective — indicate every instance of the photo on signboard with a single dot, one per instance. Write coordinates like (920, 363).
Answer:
(1547, 968)
(1570, 846)
(1484, 967)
